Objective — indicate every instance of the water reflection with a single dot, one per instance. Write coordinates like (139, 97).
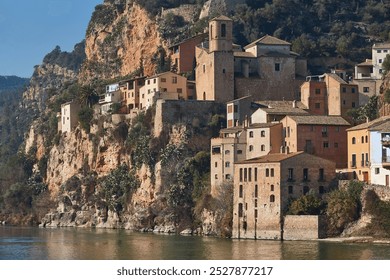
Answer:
(101, 244)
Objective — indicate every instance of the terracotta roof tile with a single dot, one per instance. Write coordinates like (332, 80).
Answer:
(319, 120)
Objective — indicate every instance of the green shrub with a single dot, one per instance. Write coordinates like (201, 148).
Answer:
(85, 118)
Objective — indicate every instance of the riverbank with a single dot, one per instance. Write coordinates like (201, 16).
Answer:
(357, 239)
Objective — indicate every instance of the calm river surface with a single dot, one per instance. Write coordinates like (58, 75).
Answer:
(99, 244)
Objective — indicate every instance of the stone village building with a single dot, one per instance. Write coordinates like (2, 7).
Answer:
(368, 74)
(264, 186)
(369, 151)
(224, 72)
(68, 119)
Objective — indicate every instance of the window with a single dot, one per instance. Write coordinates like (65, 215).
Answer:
(241, 191)
(154, 81)
(228, 177)
(366, 89)
(277, 67)
(344, 89)
(353, 140)
(216, 176)
(240, 174)
(250, 134)
(290, 189)
(223, 71)
(223, 30)
(256, 191)
(216, 164)
(305, 190)
(239, 152)
(262, 148)
(272, 188)
(366, 139)
(377, 170)
(230, 109)
(174, 80)
(336, 145)
(385, 51)
(362, 139)
(353, 162)
(317, 105)
(240, 210)
(353, 90)
(267, 172)
(255, 213)
(250, 148)
(179, 90)
(305, 174)
(324, 131)
(353, 104)
(227, 152)
(216, 150)
(321, 175)
(271, 198)
(379, 51)
(255, 202)
(204, 68)
(380, 60)
(290, 174)
(255, 173)
(262, 133)
(362, 163)
(318, 91)
(250, 174)
(245, 174)
(148, 82)
(272, 172)
(325, 144)
(227, 164)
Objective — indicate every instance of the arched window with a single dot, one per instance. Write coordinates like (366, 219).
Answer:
(227, 152)
(271, 198)
(366, 139)
(262, 133)
(353, 140)
(272, 188)
(250, 134)
(262, 148)
(362, 139)
(250, 148)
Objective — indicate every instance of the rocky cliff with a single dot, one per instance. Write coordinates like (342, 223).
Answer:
(121, 39)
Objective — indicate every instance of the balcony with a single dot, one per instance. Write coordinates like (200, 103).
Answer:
(386, 161)
(386, 141)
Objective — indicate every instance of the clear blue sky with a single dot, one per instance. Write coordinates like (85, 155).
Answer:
(29, 29)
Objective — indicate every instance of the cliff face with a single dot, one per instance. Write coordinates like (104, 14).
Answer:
(121, 39)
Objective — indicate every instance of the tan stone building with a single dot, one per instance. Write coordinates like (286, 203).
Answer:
(264, 186)
(240, 143)
(275, 111)
(130, 93)
(369, 151)
(368, 74)
(323, 136)
(69, 117)
(329, 94)
(167, 86)
(266, 69)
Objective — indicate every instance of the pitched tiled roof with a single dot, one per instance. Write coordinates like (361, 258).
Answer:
(263, 125)
(372, 124)
(319, 120)
(271, 158)
(381, 46)
(281, 104)
(368, 62)
(222, 18)
(268, 40)
(336, 77)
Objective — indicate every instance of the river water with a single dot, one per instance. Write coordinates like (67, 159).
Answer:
(18, 243)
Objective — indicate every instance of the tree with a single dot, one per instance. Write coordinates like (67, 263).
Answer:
(85, 118)
(307, 204)
(88, 96)
(386, 64)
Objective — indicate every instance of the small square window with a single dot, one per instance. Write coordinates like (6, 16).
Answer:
(326, 144)
(277, 66)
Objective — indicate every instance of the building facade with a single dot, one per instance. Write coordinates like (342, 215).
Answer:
(69, 117)
(323, 136)
(264, 186)
(369, 151)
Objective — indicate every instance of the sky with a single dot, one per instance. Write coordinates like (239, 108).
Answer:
(30, 29)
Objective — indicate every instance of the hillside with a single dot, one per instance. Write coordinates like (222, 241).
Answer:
(12, 83)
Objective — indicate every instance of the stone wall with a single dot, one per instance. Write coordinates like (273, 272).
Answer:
(170, 112)
(304, 227)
